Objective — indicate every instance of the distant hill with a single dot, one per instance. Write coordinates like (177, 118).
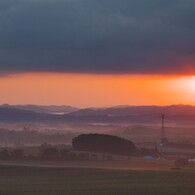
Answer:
(137, 114)
(43, 109)
(14, 114)
(137, 110)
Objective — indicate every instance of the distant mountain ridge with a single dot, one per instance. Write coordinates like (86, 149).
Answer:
(138, 114)
(137, 110)
(43, 109)
(14, 114)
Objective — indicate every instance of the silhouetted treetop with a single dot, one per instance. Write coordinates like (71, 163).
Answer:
(102, 143)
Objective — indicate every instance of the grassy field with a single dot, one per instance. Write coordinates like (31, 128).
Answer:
(23, 180)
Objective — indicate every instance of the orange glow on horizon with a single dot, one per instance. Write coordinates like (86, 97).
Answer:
(89, 90)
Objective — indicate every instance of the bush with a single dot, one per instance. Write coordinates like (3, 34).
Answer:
(182, 163)
(49, 153)
(64, 154)
(17, 154)
(4, 155)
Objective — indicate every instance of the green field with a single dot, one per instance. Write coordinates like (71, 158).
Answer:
(16, 180)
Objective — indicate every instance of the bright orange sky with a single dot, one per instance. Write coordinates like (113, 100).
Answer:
(93, 90)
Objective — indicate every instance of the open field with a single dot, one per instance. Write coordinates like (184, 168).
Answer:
(26, 180)
(133, 163)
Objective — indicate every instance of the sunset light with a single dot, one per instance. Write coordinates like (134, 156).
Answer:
(86, 90)
(97, 97)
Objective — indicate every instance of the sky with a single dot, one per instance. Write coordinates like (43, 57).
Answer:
(97, 52)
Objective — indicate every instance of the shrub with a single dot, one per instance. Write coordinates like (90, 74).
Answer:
(182, 163)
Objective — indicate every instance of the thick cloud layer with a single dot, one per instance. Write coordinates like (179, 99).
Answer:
(98, 36)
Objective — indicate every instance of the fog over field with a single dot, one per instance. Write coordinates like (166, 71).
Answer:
(138, 123)
(97, 97)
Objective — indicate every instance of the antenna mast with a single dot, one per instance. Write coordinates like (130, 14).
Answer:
(162, 140)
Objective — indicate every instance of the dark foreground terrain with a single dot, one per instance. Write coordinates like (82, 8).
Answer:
(24, 180)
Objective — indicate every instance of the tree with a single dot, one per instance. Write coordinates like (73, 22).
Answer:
(17, 154)
(104, 144)
(4, 154)
(182, 163)
(49, 153)
(64, 154)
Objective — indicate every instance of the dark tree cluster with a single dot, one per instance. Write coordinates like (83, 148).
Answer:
(32, 137)
(16, 154)
(102, 143)
(50, 153)
(182, 163)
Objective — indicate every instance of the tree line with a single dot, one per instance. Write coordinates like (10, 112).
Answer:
(32, 137)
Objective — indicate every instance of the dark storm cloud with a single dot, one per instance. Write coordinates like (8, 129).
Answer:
(98, 36)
